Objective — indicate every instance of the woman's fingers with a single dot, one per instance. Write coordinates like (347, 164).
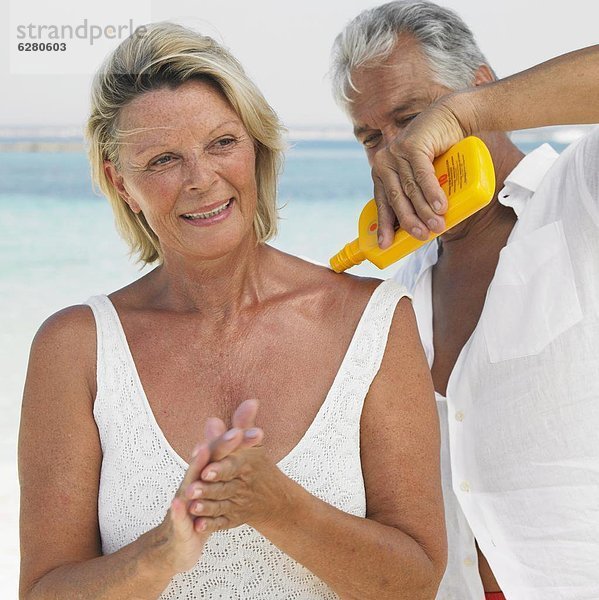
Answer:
(211, 508)
(245, 418)
(245, 415)
(200, 458)
(220, 490)
(221, 443)
(211, 524)
(223, 470)
(214, 428)
(210, 452)
(235, 439)
(225, 444)
(178, 511)
(252, 437)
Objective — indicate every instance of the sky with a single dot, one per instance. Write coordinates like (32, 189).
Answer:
(284, 46)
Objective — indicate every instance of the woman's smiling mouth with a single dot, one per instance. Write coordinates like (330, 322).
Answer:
(210, 213)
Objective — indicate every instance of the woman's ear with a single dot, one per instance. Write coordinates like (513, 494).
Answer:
(483, 75)
(116, 179)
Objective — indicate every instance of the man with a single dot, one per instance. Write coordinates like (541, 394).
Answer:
(507, 302)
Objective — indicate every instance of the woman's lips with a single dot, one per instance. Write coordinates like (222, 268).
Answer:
(209, 217)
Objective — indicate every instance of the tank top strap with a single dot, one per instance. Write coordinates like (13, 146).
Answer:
(366, 350)
(113, 365)
(364, 354)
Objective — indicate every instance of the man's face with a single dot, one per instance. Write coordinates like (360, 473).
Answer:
(390, 94)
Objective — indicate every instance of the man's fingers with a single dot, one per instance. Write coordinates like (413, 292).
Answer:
(411, 187)
(398, 193)
(402, 205)
(385, 215)
(424, 174)
(245, 415)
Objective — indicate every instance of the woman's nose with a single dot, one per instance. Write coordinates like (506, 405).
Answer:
(201, 174)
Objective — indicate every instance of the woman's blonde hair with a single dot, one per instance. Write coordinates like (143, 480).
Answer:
(167, 55)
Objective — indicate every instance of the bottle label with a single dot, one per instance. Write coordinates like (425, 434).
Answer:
(457, 175)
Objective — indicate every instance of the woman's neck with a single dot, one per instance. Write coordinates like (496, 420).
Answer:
(218, 288)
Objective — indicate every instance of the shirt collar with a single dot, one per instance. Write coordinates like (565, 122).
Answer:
(525, 178)
(519, 185)
(426, 257)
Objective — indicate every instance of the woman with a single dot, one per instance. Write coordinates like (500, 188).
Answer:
(337, 492)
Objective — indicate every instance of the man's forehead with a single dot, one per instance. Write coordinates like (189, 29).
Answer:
(385, 101)
(396, 82)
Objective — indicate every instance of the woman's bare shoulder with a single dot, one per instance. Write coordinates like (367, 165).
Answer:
(74, 325)
(335, 285)
(66, 343)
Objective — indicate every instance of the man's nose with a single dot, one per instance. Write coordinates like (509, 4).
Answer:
(390, 133)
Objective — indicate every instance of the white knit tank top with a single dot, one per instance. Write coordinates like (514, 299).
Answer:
(141, 472)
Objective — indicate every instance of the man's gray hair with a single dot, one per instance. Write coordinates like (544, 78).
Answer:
(446, 41)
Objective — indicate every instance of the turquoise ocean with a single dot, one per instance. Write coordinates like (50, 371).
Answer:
(58, 246)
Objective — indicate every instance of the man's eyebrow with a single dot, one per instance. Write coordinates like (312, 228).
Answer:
(358, 131)
(407, 106)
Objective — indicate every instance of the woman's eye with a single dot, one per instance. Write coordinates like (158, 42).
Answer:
(162, 160)
(224, 142)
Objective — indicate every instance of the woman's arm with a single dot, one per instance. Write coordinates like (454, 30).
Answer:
(59, 467)
(398, 551)
(59, 470)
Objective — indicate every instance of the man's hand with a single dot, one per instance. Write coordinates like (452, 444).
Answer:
(405, 187)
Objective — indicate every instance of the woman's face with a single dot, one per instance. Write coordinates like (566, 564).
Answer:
(188, 164)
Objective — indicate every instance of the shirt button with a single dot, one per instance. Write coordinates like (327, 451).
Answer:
(459, 416)
(468, 561)
(465, 486)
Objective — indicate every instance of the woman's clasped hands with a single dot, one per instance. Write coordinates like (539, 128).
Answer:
(230, 481)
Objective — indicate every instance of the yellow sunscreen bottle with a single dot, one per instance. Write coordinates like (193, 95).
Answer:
(466, 175)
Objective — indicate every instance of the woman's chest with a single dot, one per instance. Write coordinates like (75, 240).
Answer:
(187, 379)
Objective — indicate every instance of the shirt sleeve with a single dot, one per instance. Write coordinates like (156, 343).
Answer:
(588, 152)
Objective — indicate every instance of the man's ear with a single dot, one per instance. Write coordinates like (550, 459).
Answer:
(116, 179)
(483, 75)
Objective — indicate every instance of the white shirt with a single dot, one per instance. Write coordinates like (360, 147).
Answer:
(521, 415)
